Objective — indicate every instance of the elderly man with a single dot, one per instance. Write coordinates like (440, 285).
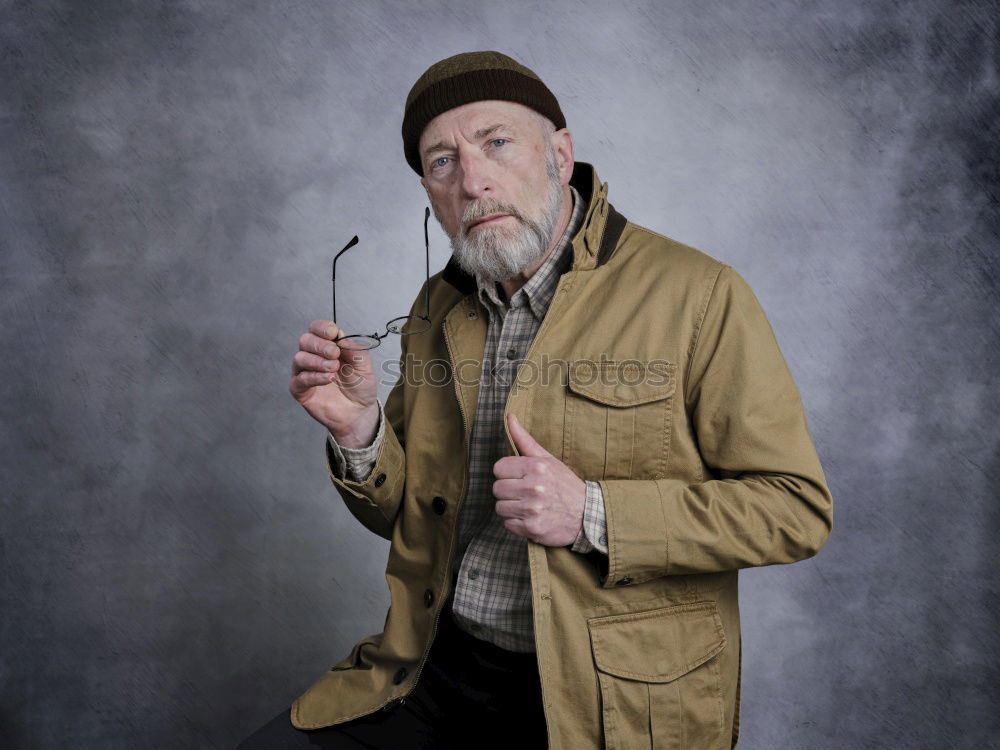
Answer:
(567, 524)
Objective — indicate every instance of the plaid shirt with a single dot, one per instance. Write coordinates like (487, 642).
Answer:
(492, 598)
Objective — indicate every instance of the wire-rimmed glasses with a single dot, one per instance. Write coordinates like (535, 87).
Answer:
(404, 325)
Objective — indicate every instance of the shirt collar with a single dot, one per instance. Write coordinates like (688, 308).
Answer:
(539, 290)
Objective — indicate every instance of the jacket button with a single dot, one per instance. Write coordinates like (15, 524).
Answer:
(439, 505)
(623, 581)
(380, 480)
(399, 676)
(428, 598)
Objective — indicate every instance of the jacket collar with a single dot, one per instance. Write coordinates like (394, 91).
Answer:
(595, 240)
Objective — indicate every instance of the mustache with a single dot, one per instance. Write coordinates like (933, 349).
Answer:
(487, 206)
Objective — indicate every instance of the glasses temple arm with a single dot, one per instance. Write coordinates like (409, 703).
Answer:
(427, 266)
(333, 273)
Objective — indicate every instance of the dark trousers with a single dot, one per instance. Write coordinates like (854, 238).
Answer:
(470, 694)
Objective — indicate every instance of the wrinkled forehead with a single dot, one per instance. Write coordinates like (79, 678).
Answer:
(477, 120)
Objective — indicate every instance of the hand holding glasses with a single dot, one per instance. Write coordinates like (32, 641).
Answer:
(404, 325)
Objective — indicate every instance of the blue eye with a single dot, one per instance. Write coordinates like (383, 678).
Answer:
(440, 161)
(499, 141)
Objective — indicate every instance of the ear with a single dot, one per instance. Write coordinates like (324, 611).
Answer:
(562, 144)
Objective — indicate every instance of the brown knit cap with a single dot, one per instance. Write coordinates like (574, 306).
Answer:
(471, 77)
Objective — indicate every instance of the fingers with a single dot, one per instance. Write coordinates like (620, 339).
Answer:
(320, 349)
(519, 528)
(516, 498)
(508, 509)
(515, 526)
(310, 342)
(325, 329)
(304, 381)
(519, 508)
(522, 467)
(510, 467)
(525, 444)
(317, 361)
(322, 340)
(323, 361)
(518, 490)
(306, 362)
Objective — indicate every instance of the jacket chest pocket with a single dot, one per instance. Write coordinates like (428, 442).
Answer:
(618, 418)
(659, 677)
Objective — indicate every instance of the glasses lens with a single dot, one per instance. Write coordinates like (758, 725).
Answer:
(408, 325)
(357, 342)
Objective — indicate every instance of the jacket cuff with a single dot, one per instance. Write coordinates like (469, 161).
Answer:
(375, 500)
(356, 463)
(637, 531)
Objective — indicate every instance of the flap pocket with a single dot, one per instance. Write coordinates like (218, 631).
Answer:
(622, 383)
(658, 645)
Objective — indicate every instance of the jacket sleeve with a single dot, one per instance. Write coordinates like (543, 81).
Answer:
(764, 499)
(375, 500)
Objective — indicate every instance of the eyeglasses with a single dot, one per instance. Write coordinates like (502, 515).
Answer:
(405, 325)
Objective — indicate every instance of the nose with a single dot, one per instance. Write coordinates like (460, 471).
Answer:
(477, 177)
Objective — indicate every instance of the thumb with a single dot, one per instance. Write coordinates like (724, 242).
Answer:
(525, 444)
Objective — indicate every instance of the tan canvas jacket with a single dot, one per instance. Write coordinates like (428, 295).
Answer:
(656, 373)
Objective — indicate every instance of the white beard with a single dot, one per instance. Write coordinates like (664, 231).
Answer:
(498, 253)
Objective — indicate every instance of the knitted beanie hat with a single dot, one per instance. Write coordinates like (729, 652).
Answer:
(471, 77)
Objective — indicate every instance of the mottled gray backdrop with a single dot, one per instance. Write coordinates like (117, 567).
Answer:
(176, 567)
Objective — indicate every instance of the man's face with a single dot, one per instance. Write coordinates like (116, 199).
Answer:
(495, 174)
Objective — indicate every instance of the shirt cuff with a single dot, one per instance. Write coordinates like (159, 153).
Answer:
(355, 464)
(594, 534)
